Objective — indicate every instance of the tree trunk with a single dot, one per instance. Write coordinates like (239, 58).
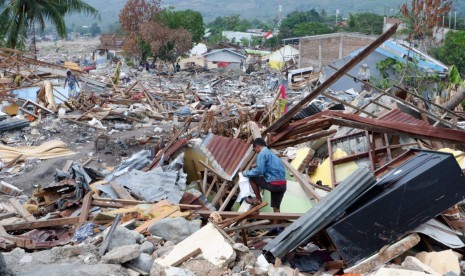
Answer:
(456, 99)
(34, 40)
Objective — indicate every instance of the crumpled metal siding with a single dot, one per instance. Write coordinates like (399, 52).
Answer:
(310, 110)
(224, 154)
(12, 124)
(396, 115)
(323, 213)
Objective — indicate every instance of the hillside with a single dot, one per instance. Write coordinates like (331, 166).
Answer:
(265, 10)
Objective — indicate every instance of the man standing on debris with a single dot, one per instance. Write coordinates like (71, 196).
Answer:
(72, 82)
(269, 174)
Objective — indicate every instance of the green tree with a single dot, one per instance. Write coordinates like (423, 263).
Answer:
(366, 23)
(165, 43)
(95, 29)
(256, 40)
(244, 42)
(134, 14)
(20, 16)
(311, 28)
(243, 25)
(452, 52)
(225, 23)
(295, 18)
(189, 20)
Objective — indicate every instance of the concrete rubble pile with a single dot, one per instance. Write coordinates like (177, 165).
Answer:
(140, 176)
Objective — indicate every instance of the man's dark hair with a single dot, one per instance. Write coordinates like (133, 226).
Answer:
(68, 73)
(259, 142)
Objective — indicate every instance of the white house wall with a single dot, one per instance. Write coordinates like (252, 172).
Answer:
(224, 56)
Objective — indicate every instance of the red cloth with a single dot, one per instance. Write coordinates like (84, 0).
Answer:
(282, 89)
(281, 182)
(223, 64)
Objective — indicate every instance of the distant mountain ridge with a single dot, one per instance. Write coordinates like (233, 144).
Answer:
(260, 9)
(265, 10)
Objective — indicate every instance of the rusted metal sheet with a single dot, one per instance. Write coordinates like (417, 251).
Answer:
(224, 154)
(179, 144)
(396, 115)
(332, 79)
(48, 238)
(175, 147)
(40, 224)
(385, 126)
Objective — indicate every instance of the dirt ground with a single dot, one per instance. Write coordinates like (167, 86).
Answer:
(125, 138)
(80, 139)
(65, 50)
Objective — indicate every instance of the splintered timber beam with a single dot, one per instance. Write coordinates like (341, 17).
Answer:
(40, 224)
(332, 79)
(260, 215)
(386, 254)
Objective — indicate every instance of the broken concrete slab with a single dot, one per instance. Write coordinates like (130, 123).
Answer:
(72, 269)
(142, 262)
(442, 262)
(176, 271)
(3, 268)
(121, 254)
(412, 263)
(147, 247)
(210, 241)
(244, 260)
(174, 229)
(199, 266)
(123, 236)
(384, 271)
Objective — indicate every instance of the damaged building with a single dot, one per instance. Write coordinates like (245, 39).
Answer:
(141, 174)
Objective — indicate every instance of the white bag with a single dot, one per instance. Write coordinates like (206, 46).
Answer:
(245, 189)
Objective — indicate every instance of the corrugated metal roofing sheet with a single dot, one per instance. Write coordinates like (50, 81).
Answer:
(310, 110)
(399, 52)
(323, 213)
(225, 154)
(396, 115)
(381, 125)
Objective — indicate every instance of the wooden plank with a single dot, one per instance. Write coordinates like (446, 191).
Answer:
(3, 231)
(86, 203)
(260, 215)
(332, 79)
(205, 176)
(40, 224)
(220, 193)
(242, 216)
(7, 215)
(211, 186)
(121, 191)
(207, 166)
(230, 195)
(385, 255)
(247, 225)
(309, 190)
(186, 257)
(173, 140)
(21, 210)
(107, 204)
(123, 201)
(107, 240)
(151, 222)
(67, 165)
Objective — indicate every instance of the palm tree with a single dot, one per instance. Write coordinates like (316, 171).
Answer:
(17, 17)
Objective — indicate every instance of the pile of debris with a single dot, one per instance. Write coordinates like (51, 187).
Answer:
(141, 176)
